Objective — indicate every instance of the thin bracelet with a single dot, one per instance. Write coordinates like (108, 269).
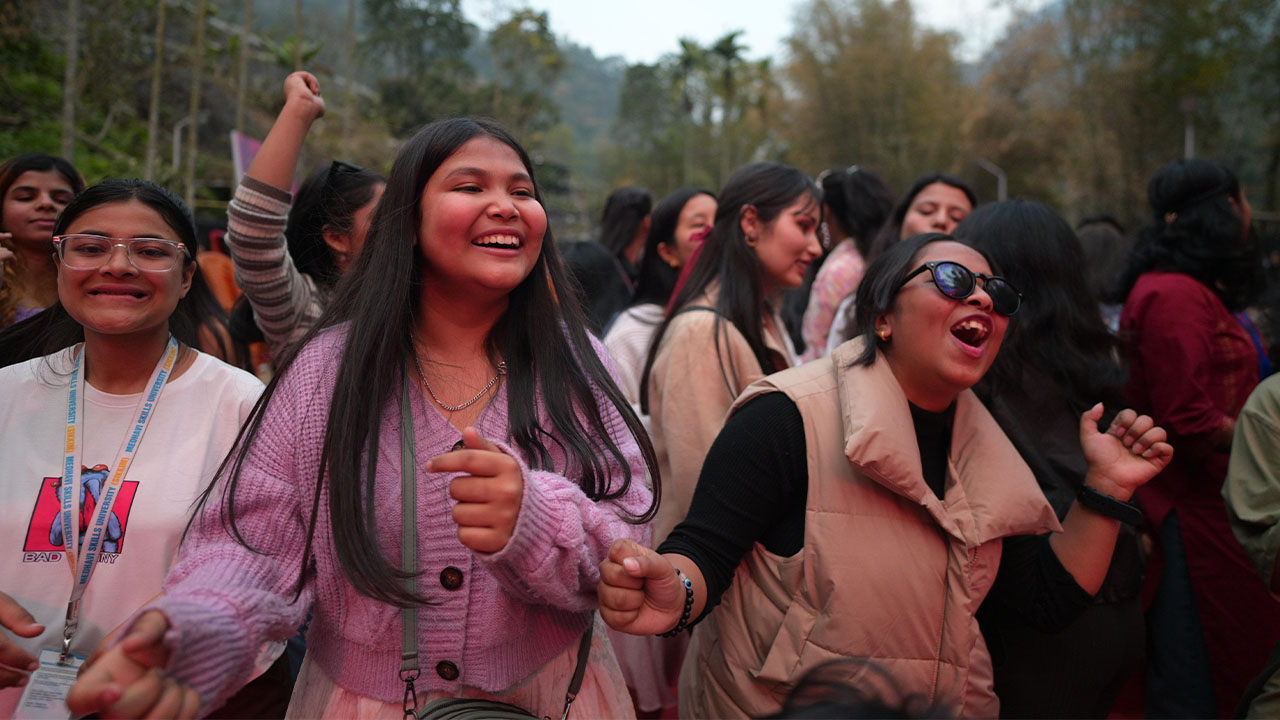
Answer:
(688, 607)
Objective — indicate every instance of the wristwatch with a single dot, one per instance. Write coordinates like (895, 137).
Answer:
(1104, 504)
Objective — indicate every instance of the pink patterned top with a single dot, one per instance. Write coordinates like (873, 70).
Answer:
(837, 279)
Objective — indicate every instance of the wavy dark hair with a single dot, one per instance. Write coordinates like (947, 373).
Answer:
(1058, 329)
(727, 258)
(55, 329)
(891, 230)
(1196, 229)
(656, 279)
(327, 200)
(10, 171)
(540, 336)
(880, 286)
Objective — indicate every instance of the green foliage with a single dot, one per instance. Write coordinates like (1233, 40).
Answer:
(417, 50)
(874, 88)
(693, 117)
(1081, 103)
(527, 61)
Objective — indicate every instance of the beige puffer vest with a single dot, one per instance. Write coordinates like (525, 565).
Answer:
(888, 573)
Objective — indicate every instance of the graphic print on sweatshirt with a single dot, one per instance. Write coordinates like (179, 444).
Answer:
(44, 542)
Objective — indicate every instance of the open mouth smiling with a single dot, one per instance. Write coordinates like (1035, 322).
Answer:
(500, 242)
(972, 331)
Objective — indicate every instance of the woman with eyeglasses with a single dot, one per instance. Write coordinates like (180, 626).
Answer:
(290, 251)
(111, 436)
(858, 506)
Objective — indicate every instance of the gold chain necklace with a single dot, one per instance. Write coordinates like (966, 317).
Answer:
(502, 370)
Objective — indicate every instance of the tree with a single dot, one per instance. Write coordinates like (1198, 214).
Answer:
(871, 87)
(726, 54)
(153, 106)
(193, 110)
(69, 80)
(416, 49)
(527, 61)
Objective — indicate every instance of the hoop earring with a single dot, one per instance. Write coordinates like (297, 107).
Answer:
(883, 335)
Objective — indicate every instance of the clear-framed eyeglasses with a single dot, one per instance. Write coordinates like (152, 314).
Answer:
(90, 252)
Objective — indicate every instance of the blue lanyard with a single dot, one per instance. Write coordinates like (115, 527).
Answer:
(83, 564)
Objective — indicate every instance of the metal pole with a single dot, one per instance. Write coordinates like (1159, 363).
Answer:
(177, 140)
(1002, 180)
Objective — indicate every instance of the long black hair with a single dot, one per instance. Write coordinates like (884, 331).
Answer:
(656, 279)
(327, 200)
(728, 259)
(540, 336)
(1196, 228)
(197, 318)
(891, 230)
(1058, 330)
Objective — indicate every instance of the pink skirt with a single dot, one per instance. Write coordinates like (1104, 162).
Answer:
(603, 694)
(651, 667)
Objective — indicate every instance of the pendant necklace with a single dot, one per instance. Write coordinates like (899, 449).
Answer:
(502, 370)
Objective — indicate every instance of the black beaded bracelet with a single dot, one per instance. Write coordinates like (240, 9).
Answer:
(688, 607)
(1104, 504)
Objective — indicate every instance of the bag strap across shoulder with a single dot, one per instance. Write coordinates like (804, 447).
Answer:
(409, 669)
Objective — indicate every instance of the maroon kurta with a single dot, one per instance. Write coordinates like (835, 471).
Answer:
(1192, 366)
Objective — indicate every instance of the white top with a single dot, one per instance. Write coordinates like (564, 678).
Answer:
(192, 429)
(838, 327)
(628, 342)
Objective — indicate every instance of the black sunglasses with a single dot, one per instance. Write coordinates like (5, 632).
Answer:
(958, 282)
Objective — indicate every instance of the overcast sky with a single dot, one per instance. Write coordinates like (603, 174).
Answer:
(644, 31)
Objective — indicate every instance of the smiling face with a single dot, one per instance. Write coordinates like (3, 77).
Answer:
(938, 207)
(938, 347)
(31, 205)
(481, 229)
(117, 298)
(787, 245)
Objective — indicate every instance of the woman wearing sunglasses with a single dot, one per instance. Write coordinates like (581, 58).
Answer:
(289, 252)
(858, 507)
(121, 365)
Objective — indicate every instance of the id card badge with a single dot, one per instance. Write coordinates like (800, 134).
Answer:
(45, 696)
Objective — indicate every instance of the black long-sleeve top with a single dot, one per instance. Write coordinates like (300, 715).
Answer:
(754, 484)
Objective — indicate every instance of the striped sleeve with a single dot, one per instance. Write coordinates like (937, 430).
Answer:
(285, 303)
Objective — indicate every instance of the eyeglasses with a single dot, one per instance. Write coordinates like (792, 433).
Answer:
(958, 282)
(90, 252)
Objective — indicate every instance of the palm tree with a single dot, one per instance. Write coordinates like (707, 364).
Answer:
(728, 54)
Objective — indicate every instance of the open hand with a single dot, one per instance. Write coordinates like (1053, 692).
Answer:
(639, 590)
(303, 90)
(18, 621)
(488, 494)
(126, 680)
(1127, 455)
